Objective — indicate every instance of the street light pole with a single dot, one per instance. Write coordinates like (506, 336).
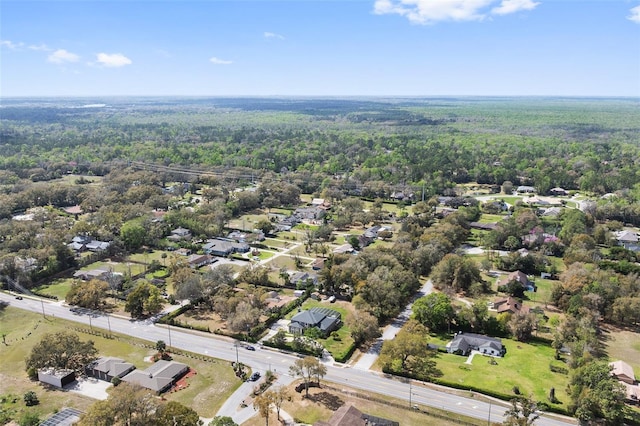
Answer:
(42, 302)
(410, 392)
(169, 328)
(109, 323)
(489, 419)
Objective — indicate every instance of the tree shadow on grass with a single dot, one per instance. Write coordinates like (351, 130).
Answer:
(332, 402)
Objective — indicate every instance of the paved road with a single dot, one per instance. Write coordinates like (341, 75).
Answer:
(263, 360)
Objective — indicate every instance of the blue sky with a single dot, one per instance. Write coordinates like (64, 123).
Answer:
(320, 48)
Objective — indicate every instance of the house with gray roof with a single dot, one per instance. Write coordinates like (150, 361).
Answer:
(325, 319)
(106, 368)
(464, 343)
(224, 247)
(159, 377)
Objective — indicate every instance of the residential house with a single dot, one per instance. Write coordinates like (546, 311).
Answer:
(106, 368)
(104, 274)
(224, 247)
(179, 234)
(318, 264)
(628, 239)
(557, 191)
(303, 278)
(348, 415)
(526, 189)
(327, 320)
(310, 213)
(199, 260)
(183, 251)
(96, 245)
(489, 226)
(511, 305)
(520, 277)
(344, 248)
(623, 372)
(464, 343)
(159, 377)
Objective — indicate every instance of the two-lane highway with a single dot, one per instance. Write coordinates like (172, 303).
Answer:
(263, 359)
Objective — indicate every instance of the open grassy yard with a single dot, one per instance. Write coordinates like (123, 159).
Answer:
(123, 268)
(58, 287)
(623, 345)
(206, 392)
(525, 365)
(490, 218)
(323, 402)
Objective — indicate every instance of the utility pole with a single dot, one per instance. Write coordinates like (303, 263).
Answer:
(169, 328)
(489, 419)
(42, 302)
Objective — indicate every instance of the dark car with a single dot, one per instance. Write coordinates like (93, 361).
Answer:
(19, 297)
(255, 376)
(250, 348)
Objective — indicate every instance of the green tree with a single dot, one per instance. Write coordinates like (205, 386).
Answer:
(523, 412)
(173, 413)
(522, 326)
(596, 395)
(308, 368)
(262, 403)
(222, 421)
(144, 299)
(434, 311)
(363, 326)
(62, 351)
(408, 353)
(89, 294)
(455, 272)
(133, 234)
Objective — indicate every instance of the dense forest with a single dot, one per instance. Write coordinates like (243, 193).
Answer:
(585, 144)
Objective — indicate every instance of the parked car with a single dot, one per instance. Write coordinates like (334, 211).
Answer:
(250, 348)
(19, 297)
(255, 376)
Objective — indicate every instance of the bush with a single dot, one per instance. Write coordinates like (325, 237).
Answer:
(32, 372)
(116, 381)
(30, 399)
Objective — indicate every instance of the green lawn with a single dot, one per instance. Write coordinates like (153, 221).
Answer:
(490, 218)
(206, 392)
(123, 268)
(58, 287)
(525, 365)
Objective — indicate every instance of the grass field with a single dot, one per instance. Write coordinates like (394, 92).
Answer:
(623, 345)
(525, 365)
(323, 402)
(58, 287)
(206, 392)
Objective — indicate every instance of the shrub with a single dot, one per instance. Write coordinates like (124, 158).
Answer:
(116, 381)
(30, 399)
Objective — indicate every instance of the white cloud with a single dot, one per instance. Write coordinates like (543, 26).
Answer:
(635, 15)
(432, 11)
(267, 34)
(11, 45)
(61, 56)
(113, 60)
(41, 47)
(219, 61)
(512, 6)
